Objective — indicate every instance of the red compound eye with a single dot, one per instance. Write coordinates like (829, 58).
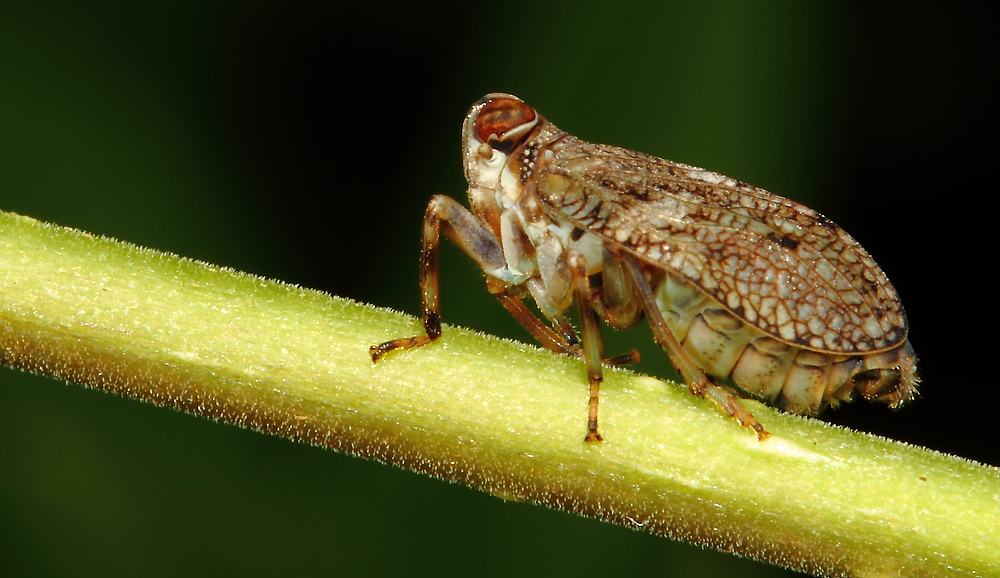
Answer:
(499, 119)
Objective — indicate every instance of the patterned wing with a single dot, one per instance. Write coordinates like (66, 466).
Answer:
(780, 266)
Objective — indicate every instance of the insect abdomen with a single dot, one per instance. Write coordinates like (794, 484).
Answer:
(794, 379)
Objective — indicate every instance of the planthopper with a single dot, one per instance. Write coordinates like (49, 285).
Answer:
(749, 293)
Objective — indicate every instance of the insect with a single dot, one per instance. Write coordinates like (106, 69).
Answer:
(749, 293)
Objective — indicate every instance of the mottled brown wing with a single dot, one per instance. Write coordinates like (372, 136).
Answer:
(779, 265)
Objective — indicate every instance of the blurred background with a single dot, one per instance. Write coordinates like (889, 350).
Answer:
(301, 141)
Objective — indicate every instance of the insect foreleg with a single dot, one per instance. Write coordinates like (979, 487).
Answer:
(468, 233)
(699, 383)
(561, 338)
(545, 335)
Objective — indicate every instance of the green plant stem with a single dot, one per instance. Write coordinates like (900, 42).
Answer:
(496, 415)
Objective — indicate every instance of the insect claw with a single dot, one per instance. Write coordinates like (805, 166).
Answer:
(618, 360)
(729, 402)
(748, 420)
(379, 351)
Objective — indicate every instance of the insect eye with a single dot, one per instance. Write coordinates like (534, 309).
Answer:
(504, 123)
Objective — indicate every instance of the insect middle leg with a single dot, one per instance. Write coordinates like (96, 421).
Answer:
(593, 345)
(697, 381)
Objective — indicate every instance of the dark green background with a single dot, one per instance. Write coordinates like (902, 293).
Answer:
(301, 141)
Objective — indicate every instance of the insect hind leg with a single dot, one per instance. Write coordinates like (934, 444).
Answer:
(697, 381)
